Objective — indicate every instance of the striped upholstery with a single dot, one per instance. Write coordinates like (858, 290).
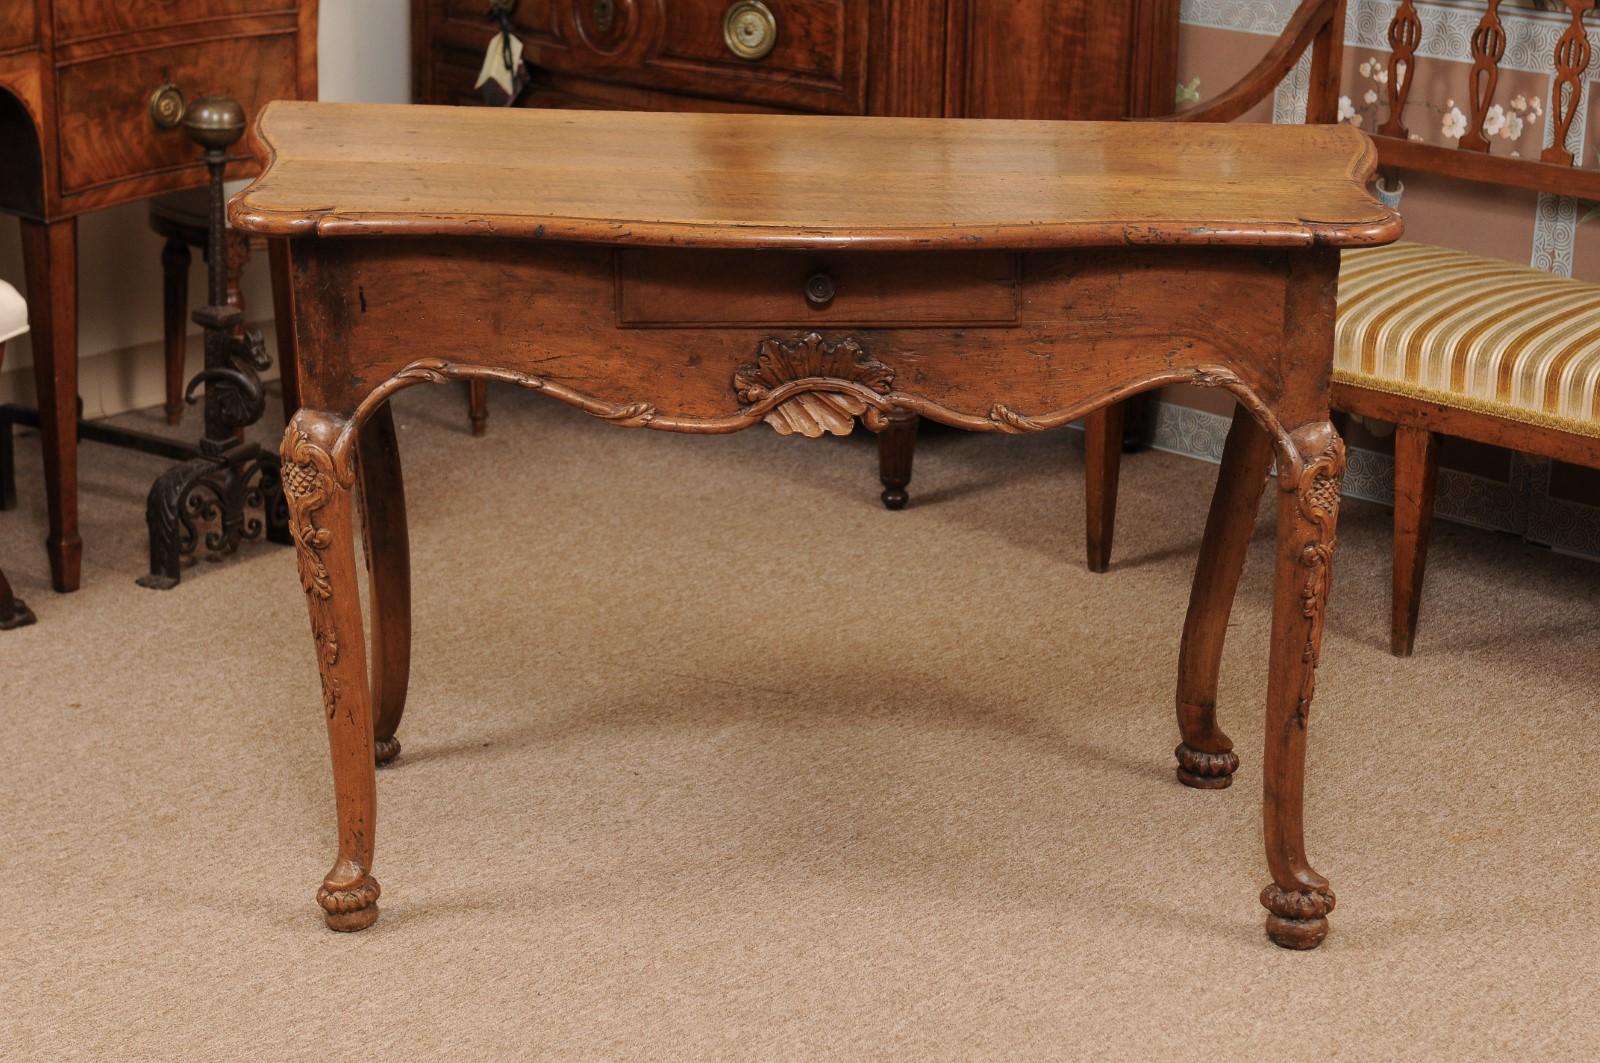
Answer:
(1470, 332)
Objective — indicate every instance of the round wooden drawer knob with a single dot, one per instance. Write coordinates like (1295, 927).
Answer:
(750, 29)
(820, 290)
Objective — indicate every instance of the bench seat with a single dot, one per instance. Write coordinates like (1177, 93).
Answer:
(1473, 333)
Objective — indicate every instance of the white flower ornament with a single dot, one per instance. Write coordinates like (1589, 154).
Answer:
(1455, 124)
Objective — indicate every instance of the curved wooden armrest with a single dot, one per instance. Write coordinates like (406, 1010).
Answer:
(1310, 20)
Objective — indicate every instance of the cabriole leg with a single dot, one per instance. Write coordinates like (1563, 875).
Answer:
(1205, 756)
(321, 512)
(1298, 900)
(388, 553)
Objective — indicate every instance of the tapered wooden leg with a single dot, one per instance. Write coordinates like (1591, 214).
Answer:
(897, 446)
(175, 260)
(283, 325)
(1205, 756)
(1298, 899)
(478, 405)
(1416, 470)
(1102, 445)
(321, 520)
(50, 258)
(388, 552)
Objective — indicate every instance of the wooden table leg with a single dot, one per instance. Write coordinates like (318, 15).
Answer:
(1298, 899)
(321, 513)
(175, 262)
(1205, 756)
(388, 553)
(283, 325)
(50, 259)
(1102, 457)
(478, 406)
(897, 445)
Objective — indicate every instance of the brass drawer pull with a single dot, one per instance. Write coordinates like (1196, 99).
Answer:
(820, 290)
(167, 106)
(750, 29)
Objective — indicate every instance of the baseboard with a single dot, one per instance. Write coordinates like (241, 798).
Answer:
(117, 381)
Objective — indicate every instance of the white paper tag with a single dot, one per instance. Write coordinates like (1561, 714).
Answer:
(495, 68)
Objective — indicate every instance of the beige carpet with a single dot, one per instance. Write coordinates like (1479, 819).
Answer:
(708, 756)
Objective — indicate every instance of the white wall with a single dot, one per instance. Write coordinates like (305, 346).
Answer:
(363, 55)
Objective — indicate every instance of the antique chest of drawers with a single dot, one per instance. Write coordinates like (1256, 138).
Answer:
(958, 58)
(91, 96)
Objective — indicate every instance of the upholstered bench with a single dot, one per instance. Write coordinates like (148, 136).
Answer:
(1471, 333)
(1437, 340)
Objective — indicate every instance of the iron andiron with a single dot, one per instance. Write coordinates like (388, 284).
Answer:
(206, 500)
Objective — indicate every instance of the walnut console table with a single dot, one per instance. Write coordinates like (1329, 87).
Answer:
(706, 273)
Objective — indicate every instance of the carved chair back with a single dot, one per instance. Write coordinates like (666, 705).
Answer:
(1554, 169)
(1319, 24)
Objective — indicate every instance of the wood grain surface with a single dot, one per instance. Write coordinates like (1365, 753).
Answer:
(742, 181)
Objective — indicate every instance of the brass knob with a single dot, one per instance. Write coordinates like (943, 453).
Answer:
(820, 290)
(214, 122)
(605, 15)
(750, 29)
(167, 106)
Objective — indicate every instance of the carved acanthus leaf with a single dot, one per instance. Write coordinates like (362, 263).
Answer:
(809, 372)
(308, 483)
(1318, 499)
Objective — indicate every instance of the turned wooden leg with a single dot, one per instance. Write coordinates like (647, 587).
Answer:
(1102, 446)
(321, 513)
(1416, 470)
(388, 552)
(283, 325)
(478, 405)
(897, 445)
(175, 260)
(50, 258)
(1205, 756)
(1298, 899)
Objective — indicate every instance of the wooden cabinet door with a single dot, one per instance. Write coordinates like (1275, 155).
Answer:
(1067, 59)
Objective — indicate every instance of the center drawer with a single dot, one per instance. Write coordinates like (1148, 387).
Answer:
(667, 288)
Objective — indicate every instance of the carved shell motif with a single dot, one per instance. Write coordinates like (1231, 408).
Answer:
(808, 373)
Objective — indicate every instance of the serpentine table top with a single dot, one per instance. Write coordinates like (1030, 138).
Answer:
(786, 181)
(706, 273)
